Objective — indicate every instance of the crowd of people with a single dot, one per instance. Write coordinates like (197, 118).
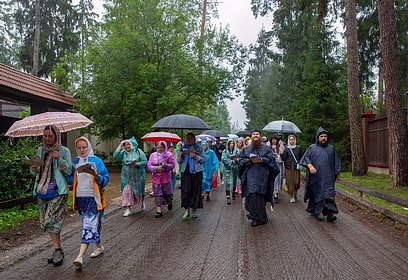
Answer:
(254, 167)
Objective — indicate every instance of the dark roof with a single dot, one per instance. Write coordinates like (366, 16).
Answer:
(32, 85)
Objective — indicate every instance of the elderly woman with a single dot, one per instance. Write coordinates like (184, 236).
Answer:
(88, 197)
(51, 187)
(161, 164)
(210, 169)
(229, 160)
(133, 174)
(191, 159)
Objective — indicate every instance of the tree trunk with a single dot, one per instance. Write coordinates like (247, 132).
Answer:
(397, 120)
(380, 96)
(358, 161)
(36, 52)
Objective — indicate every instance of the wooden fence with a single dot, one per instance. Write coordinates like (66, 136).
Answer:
(361, 200)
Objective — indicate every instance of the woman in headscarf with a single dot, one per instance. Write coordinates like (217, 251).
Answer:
(88, 197)
(278, 148)
(161, 164)
(133, 174)
(51, 187)
(291, 158)
(173, 171)
(229, 160)
(192, 159)
(240, 148)
(210, 169)
(179, 149)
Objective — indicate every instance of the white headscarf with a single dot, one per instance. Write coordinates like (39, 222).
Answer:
(85, 180)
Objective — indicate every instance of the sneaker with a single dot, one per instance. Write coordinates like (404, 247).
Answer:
(78, 262)
(228, 200)
(185, 216)
(51, 258)
(143, 206)
(292, 199)
(127, 213)
(319, 217)
(331, 218)
(97, 251)
(58, 258)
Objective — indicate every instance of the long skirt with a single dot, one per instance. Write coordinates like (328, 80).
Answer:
(163, 194)
(292, 180)
(277, 187)
(191, 188)
(52, 213)
(255, 205)
(91, 219)
(129, 198)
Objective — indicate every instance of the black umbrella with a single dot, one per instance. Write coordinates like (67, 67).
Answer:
(243, 133)
(181, 121)
(215, 133)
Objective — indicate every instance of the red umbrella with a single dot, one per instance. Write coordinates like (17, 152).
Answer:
(161, 136)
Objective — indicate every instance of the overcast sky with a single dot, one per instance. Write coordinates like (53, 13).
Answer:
(238, 15)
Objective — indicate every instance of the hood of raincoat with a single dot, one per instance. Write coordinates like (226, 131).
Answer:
(133, 142)
(321, 130)
(205, 143)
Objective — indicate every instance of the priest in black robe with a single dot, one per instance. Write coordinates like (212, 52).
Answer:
(257, 172)
(323, 169)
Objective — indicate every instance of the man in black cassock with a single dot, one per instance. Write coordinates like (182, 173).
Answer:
(323, 169)
(257, 171)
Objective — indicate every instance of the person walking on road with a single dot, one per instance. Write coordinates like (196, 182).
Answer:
(191, 159)
(323, 169)
(218, 147)
(161, 163)
(210, 169)
(257, 171)
(133, 174)
(51, 187)
(230, 169)
(291, 157)
(90, 178)
(277, 147)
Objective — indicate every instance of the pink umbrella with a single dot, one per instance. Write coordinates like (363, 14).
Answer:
(161, 136)
(34, 125)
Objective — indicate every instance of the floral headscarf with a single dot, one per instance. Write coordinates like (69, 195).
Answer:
(44, 177)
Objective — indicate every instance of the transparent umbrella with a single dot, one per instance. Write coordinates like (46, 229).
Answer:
(282, 126)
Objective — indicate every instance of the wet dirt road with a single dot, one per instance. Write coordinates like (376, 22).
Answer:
(220, 244)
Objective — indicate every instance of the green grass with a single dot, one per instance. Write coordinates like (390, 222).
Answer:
(12, 217)
(380, 183)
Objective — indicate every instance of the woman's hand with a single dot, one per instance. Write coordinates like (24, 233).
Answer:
(55, 154)
(33, 168)
(61, 166)
(92, 172)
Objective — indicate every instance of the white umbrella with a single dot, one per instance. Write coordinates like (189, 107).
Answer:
(34, 125)
(282, 126)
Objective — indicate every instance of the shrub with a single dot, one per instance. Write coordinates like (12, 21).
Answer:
(16, 179)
